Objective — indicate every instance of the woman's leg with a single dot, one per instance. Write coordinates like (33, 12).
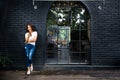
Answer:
(27, 49)
(31, 55)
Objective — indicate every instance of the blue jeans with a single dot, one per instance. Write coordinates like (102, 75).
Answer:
(29, 48)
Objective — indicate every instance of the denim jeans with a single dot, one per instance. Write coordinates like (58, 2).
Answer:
(29, 48)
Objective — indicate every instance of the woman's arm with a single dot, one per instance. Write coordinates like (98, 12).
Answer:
(27, 37)
(34, 39)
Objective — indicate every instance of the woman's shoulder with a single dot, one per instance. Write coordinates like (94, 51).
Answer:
(34, 31)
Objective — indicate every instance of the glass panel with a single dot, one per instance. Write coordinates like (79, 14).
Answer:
(52, 45)
(74, 58)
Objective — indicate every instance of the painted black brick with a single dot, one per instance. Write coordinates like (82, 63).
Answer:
(3, 13)
(105, 34)
(19, 13)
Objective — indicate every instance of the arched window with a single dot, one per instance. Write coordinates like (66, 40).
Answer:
(68, 33)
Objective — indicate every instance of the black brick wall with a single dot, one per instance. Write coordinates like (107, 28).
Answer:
(3, 14)
(105, 34)
(19, 13)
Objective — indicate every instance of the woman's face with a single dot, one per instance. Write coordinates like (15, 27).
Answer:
(29, 28)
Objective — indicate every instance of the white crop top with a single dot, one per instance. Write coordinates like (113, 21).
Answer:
(33, 34)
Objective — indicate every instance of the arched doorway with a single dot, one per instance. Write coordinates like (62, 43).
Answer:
(68, 33)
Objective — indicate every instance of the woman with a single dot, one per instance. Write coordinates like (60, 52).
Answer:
(30, 40)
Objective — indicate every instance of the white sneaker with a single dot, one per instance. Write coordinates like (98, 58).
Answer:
(31, 68)
(28, 72)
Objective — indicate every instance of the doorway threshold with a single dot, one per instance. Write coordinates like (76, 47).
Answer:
(79, 67)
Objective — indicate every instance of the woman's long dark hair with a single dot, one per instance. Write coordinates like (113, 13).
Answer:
(33, 27)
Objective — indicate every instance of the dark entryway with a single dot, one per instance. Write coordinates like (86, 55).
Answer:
(68, 33)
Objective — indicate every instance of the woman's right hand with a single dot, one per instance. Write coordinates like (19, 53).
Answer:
(27, 38)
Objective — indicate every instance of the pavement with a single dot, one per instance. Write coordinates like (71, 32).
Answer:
(62, 75)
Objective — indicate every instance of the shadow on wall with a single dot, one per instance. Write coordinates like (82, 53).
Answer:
(39, 41)
(15, 49)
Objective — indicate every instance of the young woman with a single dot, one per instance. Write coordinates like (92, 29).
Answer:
(30, 40)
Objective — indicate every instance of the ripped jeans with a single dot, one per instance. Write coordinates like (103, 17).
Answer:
(29, 48)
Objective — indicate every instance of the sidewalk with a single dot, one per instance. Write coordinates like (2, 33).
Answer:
(62, 75)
